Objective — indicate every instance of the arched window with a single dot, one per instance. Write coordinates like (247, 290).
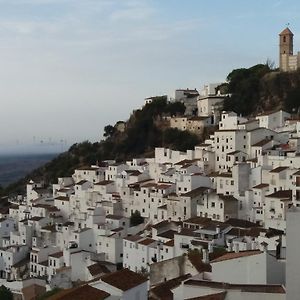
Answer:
(284, 39)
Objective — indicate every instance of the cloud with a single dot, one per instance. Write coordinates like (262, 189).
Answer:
(132, 11)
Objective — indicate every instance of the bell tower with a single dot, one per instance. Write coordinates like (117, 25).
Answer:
(285, 48)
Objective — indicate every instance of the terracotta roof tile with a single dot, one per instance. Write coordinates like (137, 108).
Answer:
(217, 296)
(278, 169)
(82, 292)
(163, 290)
(124, 279)
(146, 241)
(286, 194)
(286, 31)
(248, 288)
(261, 186)
(97, 269)
(234, 255)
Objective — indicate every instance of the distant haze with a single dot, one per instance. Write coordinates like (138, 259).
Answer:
(70, 67)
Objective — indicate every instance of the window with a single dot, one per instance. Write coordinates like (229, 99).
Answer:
(213, 204)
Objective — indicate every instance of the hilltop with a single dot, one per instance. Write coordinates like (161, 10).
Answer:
(261, 88)
(253, 90)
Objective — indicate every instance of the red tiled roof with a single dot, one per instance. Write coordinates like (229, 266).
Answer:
(169, 243)
(278, 169)
(217, 296)
(146, 241)
(62, 198)
(234, 255)
(164, 290)
(82, 292)
(248, 288)
(104, 182)
(286, 31)
(124, 279)
(286, 194)
(261, 186)
(57, 254)
(97, 269)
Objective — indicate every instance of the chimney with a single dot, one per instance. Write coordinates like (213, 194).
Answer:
(205, 256)
(179, 228)
(253, 245)
(236, 247)
(218, 231)
(229, 246)
(264, 246)
(210, 248)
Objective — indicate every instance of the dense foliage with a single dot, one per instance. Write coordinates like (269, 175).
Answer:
(244, 87)
(5, 293)
(260, 88)
(136, 218)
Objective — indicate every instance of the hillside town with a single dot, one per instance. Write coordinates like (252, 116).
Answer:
(219, 221)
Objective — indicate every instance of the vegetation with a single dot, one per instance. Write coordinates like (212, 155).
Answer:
(180, 140)
(244, 85)
(144, 132)
(261, 88)
(5, 293)
(136, 218)
(253, 90)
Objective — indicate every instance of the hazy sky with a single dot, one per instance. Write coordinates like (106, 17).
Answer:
(69, 67)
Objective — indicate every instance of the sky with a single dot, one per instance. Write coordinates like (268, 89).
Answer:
(70, 67)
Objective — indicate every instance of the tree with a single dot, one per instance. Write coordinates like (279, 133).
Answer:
(174, 108)
(109, 130)
(5, 293)
(136, 218)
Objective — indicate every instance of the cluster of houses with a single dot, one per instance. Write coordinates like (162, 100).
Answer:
(215, 220)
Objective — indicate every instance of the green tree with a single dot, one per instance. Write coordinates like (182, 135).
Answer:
(136, 218)
(179, 140)
(244, 85)
(5, 293)
(109, 130)
(175, 108)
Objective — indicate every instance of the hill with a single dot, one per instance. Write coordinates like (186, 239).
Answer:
(260, 88)
(143, 132)
(253, 90)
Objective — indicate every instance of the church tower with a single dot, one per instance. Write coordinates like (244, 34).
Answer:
(285, 48)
